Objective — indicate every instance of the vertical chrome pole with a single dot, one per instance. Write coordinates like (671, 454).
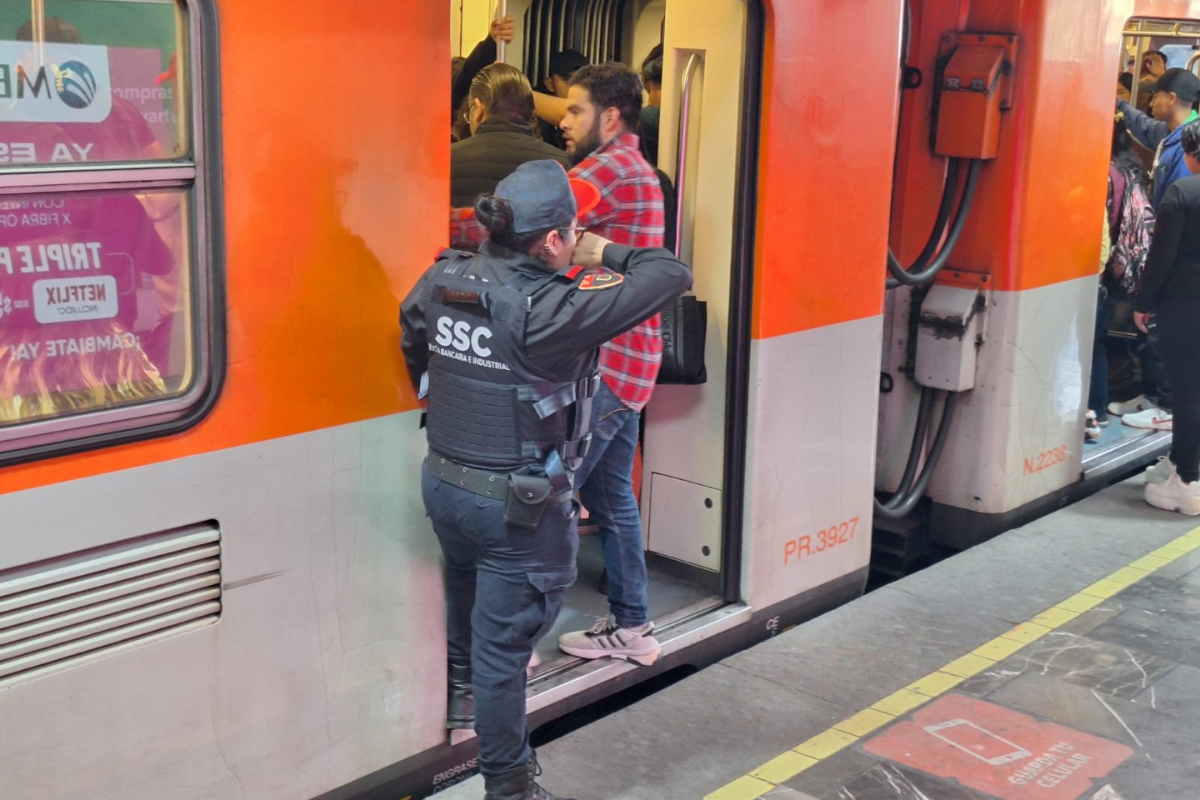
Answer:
(501, 47)
(37, 15)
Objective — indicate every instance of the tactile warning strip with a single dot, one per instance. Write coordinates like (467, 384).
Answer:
(850, 730)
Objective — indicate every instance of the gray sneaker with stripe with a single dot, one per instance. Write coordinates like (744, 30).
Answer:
(607, 639)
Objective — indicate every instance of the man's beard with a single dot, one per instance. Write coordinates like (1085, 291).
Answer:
(586, 146)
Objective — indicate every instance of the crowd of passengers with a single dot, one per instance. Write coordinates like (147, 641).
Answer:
(1150, 265)
(500, 121)
(600, 122)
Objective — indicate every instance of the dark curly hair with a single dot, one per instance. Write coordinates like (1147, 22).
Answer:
(613, 85)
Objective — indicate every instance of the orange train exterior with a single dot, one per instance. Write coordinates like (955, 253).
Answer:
(1033, 235)
(326, 665)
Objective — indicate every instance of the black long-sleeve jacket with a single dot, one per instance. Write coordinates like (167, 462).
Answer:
(484, 53)
(574, 313)
(1172, 272)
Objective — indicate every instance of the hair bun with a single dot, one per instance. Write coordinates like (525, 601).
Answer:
(494, 214)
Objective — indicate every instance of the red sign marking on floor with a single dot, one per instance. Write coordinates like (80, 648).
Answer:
(999, 751)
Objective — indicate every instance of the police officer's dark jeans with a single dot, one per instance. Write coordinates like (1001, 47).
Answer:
(605, 484)
(1179, 335)
(504, 589)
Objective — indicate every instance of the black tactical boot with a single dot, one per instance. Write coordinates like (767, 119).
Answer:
(535, 770)
(517, 784)
(460, 708)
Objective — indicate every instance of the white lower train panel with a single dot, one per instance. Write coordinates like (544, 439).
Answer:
(318, 670)
(1018, 435)
(810, 480)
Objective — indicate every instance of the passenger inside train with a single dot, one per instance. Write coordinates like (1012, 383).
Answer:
(1129, 356)
(601, 120)
(1142, 393)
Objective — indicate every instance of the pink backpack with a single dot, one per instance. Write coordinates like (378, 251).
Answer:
(1132, 236)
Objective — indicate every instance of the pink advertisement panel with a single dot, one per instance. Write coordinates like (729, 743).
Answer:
(75, 103)
(93, 296)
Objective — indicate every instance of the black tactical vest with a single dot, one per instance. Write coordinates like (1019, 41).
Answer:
(489, 406)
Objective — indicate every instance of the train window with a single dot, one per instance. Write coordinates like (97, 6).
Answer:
(1177, 40)
(106, 285)
(91, 81)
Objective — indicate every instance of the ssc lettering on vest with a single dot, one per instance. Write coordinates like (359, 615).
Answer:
(461, 342)
(462, 338)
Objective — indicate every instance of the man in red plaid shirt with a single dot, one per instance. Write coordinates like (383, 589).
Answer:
(604, 106)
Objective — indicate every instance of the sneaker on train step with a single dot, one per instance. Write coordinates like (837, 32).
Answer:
(607, 639)
(1161, 472)
(1139, 403)
(1175, 495)
(1091, 429)
(1154, 419)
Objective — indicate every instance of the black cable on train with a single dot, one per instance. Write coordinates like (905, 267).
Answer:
(924, 271)
(910, 493)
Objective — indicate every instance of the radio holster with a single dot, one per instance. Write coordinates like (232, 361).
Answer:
(528, 496)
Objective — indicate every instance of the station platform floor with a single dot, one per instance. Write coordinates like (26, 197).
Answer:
(1059, 661)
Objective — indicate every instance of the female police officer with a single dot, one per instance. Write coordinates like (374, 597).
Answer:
(504, 343)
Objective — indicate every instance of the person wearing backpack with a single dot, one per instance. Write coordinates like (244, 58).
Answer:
(1173, 105)
(1128, 228)
(1170, 292)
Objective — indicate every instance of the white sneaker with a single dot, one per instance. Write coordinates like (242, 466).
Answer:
(1091, 428)
(607, 639)
(1175, 495)
(1161, 472)
(1151, 419)
(1139, 403)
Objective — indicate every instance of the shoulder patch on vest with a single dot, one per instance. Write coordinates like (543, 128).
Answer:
(595, 281)
(573, 272)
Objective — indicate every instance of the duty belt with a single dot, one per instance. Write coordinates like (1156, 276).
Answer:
(477, 481)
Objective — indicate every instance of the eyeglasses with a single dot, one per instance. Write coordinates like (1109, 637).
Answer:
(575, 228)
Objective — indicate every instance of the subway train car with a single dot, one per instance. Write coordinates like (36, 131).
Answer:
(217, 578)
(1005, 331)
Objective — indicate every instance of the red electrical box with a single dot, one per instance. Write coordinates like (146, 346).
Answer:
(975, 88)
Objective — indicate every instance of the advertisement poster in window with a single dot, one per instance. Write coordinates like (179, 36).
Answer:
(94, 286)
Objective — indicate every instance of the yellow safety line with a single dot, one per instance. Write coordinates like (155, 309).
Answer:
(841, 735)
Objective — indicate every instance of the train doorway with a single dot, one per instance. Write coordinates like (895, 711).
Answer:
(1128, 389)
(692, 450)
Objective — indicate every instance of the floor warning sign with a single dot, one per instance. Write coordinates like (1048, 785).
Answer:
(999, 751)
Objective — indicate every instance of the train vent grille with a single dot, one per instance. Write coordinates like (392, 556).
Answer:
(56, 613)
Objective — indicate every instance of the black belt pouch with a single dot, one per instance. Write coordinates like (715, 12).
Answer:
(527, 500)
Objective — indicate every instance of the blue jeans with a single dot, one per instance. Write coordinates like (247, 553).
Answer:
(504, 588)
(1098, 391)
(605, 482)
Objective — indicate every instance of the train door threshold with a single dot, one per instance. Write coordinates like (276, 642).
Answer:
(1121, 451)
(569, 678)
(670, 599)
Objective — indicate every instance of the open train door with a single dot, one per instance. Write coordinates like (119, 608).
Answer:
(692, 450)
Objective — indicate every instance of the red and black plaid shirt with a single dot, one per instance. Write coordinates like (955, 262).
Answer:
(630, 212)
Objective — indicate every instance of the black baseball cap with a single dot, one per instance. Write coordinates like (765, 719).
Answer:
(1180, 82)
(543, 197)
